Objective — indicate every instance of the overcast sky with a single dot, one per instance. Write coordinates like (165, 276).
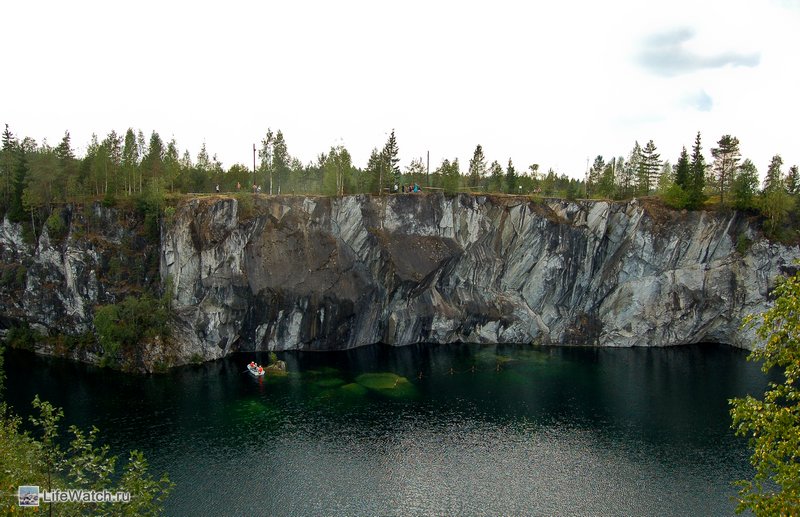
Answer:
(552, 83)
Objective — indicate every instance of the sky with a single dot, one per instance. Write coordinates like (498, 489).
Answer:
(551, 83)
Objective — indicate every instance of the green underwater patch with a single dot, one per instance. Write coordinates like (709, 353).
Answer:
(332, 382)
(387, 383)
(353, 390)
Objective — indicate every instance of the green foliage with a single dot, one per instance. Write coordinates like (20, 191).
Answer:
(745, 186)
(695, 195)
(273, 358)
(511, 178)
(13, 276)
(22, 337)
(683, 171)
(726, 161)
(743, 243)
(649, 166)
(776, 205)
(676, 197)
(773, 423)
(477, 167)
(149, 204)
(56, 227)
(245, 208)
(123, 326)
(450, 175)
(83, 465)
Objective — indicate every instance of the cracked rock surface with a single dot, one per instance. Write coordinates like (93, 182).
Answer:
(318, 273)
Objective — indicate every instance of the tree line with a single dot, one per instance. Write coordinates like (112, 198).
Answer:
(35, 177)
(692, 183)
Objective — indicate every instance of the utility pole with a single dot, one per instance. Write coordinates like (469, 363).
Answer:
(428, 168)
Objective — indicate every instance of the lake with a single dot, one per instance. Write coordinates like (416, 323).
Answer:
(424, 429)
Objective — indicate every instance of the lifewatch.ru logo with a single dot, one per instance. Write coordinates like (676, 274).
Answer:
(28, 496)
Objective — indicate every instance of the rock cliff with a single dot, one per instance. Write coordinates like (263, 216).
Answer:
(330, 273)
(319, 273)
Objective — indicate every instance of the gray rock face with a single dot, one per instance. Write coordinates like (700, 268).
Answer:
(55, 284)
(332, 273)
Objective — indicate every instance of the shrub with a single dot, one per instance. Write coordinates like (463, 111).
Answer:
(56, 227)
(123, 326)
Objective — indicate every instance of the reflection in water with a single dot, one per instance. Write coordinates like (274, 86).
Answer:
(425, 429)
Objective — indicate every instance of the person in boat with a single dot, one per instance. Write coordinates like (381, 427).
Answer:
(260, 369)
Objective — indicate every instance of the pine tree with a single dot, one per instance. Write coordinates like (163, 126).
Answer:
(375, 172)
(130, 161)
(392, 160)
(511, 178)
(683, 171)
(113, 146)
(172, 165)
(7, 165)
(649, 167)
(16, 210)
(477, 167)
(726, 160)
(793, 181)
(628, 172)
(153, 161)
(281, 161)
(594, 175)
(696, 197)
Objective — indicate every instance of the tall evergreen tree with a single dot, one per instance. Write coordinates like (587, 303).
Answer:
(113, 146)
(726, 160)
(153, 161)
(793, 181)
(649, 167)
(281, 162)
(7, 165)
(511, 178)
(696, 197)
(628, 173)
(594, 175)
(375, 172)
(172, 165)
(130, 161)
(683, 177)
(392, 160)
(16, 210)
(477, 167)
(450, 174)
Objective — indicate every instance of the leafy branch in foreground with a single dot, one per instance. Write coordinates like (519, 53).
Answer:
(25, 460)
(773, 424)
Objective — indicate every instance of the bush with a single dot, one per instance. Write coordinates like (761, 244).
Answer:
(245, 204)
(23, 337)
(675, 197)
(56, 227)
(743, 243)
(123, 326)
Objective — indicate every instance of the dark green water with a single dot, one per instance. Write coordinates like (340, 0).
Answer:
(485, 430)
